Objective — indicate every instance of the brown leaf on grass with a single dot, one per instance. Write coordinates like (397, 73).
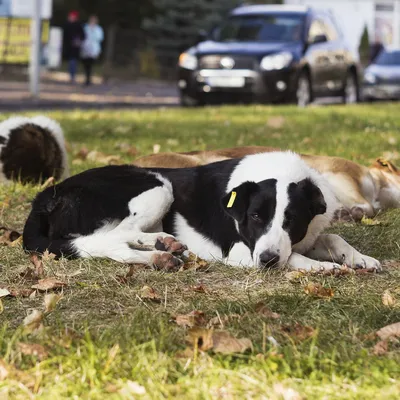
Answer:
(148, 293)
(32, 349)
(131, 272)
(381, 348)
(9, 236)
(192, 261)
(194, 318)
(34, 322)
(387, 299)
(317, 290)
(265, 311)
(50, 302)
(298, 332)
(3, 370)
(82, 153)
(37, 262)
(48, 256)
(276, 122)
(295, 276)
(101, 158)
(200, 288)
(48, 284)
(21, 292)
(390, 331)
(217, 341)
(365, 271)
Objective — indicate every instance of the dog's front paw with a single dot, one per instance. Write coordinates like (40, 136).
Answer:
(365, 262)
(170, 244)
(166, 262)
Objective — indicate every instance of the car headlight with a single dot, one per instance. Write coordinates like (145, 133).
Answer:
(276, 61)
(188, 61)
(369, 77)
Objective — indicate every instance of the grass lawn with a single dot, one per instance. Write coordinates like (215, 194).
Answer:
(105, 339)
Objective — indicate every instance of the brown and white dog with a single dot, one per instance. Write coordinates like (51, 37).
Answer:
(359, 189)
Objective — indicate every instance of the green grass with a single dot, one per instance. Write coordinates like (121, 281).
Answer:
(102, 335)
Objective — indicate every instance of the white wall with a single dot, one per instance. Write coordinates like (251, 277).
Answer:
(351, 15)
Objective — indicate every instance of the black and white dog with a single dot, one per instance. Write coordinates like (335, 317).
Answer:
(32, 150)
(263, 210)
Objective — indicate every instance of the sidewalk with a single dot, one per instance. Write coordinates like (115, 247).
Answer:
(57, 93)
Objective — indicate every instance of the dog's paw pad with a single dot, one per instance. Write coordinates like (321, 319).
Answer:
(342, 215)
(170, 244)
(166, 261)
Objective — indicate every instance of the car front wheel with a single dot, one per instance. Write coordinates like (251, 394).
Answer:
(303, 92)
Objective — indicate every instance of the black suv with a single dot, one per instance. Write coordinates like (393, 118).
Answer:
(270, 53)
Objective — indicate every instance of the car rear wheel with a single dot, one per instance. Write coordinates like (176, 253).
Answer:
(350, 92)
(303, 92)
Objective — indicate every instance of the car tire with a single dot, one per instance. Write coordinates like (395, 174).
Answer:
(351, 90)
(303, 94)
(189, 101)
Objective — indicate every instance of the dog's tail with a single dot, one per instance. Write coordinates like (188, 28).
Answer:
(33, 149)
(38, 235)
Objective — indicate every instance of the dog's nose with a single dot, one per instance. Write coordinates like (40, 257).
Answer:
(269, 259)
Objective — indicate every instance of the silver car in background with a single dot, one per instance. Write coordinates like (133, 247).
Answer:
(382, 77)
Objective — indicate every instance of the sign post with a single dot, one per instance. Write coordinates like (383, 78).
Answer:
(34, 70)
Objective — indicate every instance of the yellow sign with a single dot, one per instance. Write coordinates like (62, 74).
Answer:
(15, 39)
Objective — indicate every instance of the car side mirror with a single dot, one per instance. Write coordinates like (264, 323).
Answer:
(319, 39)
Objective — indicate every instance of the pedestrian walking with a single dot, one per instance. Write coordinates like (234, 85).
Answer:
(74, 36)
(91, 47)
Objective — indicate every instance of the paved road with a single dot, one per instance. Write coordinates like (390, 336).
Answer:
(58, 93)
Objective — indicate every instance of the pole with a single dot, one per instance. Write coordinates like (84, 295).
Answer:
(35, 48)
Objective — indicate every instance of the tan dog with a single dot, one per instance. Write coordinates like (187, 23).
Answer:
(361, 190)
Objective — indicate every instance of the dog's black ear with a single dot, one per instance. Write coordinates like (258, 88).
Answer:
(237, 201)
(314, 195)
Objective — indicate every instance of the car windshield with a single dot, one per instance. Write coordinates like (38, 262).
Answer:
(261, 28)
(388, 58)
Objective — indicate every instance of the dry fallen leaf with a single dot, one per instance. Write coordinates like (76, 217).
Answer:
(194, 318)
(369, 221)
(295, 276)
(381, 348)
(34, 322)
(37, 262)
(298, 331)
(148, 293)
(317, 290)
(50, 301)
(263, 310)
(21, 292)
(389, 331)
(48, 256)
(192, 261)
(101, 158)
(276, 122)
(48, 284)
(387, 299)
(32, 349)
(200, 288)
(222, 321)
(4, 293)
(9, 236)
(218, 341)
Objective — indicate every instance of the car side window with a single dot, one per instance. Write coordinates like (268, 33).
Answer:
(316, 28)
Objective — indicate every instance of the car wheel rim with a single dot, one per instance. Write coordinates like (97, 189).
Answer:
(303, 92)
(351, 91)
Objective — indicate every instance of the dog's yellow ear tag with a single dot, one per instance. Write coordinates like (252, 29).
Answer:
(231, 200)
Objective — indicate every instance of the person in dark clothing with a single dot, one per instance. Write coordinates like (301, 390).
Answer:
(74, 35)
